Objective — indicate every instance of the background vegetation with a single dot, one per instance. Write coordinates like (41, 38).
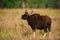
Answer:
(30, 3)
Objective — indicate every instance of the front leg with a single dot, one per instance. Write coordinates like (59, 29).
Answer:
(34, 35)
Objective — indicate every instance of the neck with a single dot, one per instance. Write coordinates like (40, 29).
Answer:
(28, 17)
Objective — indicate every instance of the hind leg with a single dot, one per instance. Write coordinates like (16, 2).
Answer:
(49, 33)
(45, 30)
(49, 28)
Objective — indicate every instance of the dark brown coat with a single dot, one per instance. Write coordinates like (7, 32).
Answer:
(37, 21)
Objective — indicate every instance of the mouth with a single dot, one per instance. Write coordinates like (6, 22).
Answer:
(22, 18)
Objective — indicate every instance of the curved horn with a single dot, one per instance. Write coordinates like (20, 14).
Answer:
(26, 12)
(31, 11)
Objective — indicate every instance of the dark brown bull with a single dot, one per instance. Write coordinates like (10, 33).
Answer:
(37, 21)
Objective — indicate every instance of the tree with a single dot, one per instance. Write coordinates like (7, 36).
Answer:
(11, 3)
(23, 3)
(56, 3)
(30, 3)
(1, 4)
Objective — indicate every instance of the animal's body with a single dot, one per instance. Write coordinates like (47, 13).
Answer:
(37, 21)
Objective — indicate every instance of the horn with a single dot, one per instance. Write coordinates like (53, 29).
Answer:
(26, 12)
(31, 11)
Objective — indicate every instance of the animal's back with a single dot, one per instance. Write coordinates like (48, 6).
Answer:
(46, 19)
(39, 22)
(35, 16)
(36, 19)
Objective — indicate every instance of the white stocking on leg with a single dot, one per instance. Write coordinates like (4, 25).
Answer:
(34, 35)
(45, 35)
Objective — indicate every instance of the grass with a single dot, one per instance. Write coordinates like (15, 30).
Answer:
(12, 27)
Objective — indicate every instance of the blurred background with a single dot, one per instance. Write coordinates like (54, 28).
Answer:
(12, 27)
(29, 3)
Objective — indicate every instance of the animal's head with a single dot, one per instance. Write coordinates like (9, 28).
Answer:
(25, 16)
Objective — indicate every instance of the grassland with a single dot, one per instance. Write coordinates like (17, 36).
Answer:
(12, 27)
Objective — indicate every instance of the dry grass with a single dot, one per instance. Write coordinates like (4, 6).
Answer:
(12, 27)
